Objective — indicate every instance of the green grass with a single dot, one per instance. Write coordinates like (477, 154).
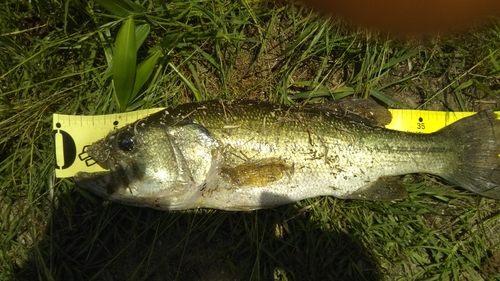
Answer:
(54, 58)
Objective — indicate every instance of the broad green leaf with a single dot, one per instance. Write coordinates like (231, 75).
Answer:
(141, 32)
(124, 63)
(144, 71)
(121, 8)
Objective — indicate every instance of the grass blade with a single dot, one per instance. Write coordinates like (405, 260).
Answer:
(342, 92)
(465, 85)
(386, 99)
(190, 85)
(484, 88)
(124, 63)
(460, 100)
(392, 62)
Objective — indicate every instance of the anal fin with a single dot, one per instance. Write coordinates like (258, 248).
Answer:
(383, 189)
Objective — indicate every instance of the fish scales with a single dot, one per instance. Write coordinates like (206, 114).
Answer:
(335, 151)
(244, 155)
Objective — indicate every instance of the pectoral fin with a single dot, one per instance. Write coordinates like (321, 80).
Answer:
(257, 173)
(383, 189)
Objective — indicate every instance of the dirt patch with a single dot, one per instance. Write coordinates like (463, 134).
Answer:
(491, 264)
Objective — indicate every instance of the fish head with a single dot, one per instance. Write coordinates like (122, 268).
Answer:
(149, 166)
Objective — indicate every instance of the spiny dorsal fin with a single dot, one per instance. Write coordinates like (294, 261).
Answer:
(365, 111)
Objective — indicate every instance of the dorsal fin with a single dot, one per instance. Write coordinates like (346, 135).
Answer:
(365, 111)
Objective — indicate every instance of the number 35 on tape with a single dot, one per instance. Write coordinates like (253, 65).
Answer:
(423, 121)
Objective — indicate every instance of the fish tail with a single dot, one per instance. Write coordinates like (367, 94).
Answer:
(477, 139)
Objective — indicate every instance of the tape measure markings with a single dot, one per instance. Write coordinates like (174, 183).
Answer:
(423, 121)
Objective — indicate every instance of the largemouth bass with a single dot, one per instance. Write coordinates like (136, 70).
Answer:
(245, 155)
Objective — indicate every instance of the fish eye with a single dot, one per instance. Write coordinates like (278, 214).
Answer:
(126, 142)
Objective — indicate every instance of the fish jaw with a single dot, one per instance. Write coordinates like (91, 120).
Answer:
(100, 150)
(98, 182)
(107, 186)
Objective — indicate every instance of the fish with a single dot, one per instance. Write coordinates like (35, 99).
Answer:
(243, 155)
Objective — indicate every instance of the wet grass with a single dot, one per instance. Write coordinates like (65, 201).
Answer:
(54, 59)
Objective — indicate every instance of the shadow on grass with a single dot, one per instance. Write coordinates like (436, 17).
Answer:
(96, 240)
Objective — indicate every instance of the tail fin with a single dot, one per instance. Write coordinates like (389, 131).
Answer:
(478, 142)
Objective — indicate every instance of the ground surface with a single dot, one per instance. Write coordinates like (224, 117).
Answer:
(53, 59)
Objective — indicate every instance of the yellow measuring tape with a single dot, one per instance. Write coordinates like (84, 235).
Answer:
(73, 133)
(423, 121)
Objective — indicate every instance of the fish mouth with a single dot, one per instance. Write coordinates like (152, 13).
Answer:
(97, 152)
(104, 183)
(102, 157)
(98, 182)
